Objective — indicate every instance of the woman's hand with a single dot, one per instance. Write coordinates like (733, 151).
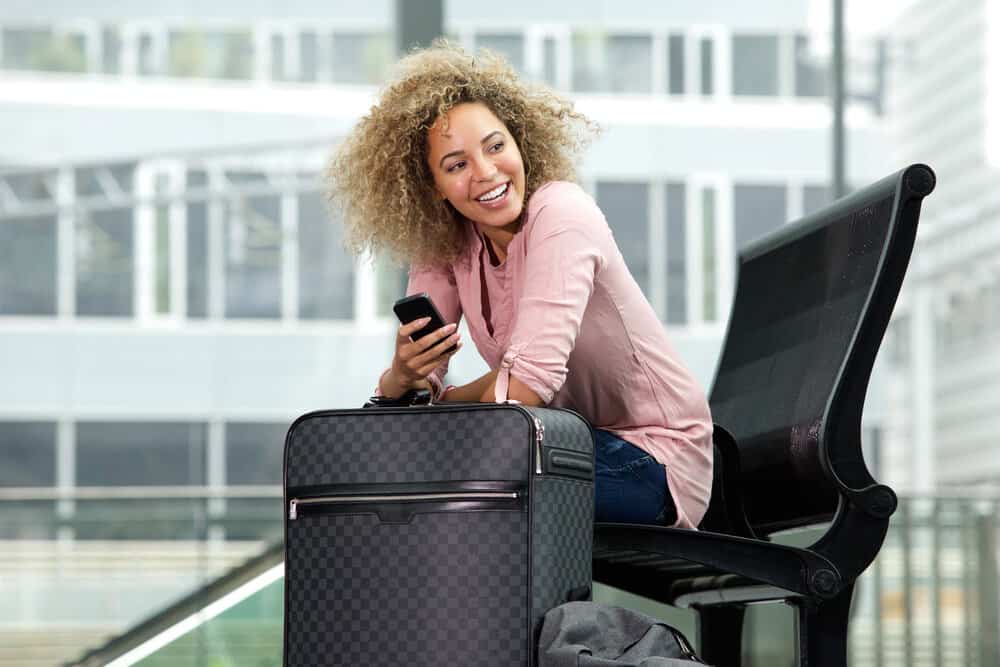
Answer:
(415, 360)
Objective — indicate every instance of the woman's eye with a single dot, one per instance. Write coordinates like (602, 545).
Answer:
(497, 147)
(455, 167)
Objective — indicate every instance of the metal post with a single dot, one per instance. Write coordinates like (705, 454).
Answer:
(989, 590)
(906, 547)
(837, 93)
(418, 23)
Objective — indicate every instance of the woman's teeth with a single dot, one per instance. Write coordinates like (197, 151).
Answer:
(495, 193)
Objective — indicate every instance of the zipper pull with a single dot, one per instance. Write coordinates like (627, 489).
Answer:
(293, 509)
(539, 436)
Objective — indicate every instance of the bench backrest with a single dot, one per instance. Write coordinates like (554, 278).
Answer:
(812, 303)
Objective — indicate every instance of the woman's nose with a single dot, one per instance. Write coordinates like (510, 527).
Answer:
(484, 169)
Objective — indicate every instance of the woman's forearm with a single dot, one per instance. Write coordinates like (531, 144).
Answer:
(472, 391)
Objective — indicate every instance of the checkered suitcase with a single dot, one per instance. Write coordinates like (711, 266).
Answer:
(434, 535)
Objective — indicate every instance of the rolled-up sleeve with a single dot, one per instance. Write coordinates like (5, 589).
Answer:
(563, 258)
(440, 286)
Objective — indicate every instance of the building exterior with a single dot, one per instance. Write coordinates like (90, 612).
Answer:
(173, 293)
(944, 110)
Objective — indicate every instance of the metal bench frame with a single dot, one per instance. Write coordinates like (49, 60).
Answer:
(780, 465)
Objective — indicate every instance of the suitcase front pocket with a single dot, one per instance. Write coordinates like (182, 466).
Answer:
(402, 502)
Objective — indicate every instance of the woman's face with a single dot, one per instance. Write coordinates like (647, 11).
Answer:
(477, 166)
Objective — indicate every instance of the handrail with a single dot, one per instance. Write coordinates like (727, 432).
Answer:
(185, 608)
(23, 493)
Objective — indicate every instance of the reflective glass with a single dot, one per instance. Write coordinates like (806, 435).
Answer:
(676, 253)
(253, 257)
(510, 47)
(28, 250)
(104, 264)
(626, 206)
(757, 209)
(326, 270)
(755, 65)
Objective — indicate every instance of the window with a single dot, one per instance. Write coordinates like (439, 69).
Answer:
(550, 66)
(28, 265)
(707, 67)
(111, 50)
(390, 284)
(308, 56)
(326, 271)
(360, 57)
(219, 55)
(757, 209)
(254, 453)
(675, 62)
(27, 453)
(676, 253)
(810, 72)
(197, 248)
(139, 453)
(278, 57)
(510, 47)
(755, 65)
(41, 49)
(104, 266)
(626, 206)
(708, 231)
(612, 63)
(253, 256)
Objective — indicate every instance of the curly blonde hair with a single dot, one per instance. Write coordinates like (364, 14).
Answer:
(380, 180)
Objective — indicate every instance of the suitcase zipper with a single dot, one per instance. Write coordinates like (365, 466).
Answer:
(539, 436)
(293, 504)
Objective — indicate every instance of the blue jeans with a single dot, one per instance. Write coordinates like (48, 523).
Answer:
(629, 485)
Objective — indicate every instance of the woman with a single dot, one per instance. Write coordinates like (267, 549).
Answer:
(466, 172)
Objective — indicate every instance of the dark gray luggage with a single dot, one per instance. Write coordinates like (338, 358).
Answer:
(433, 535)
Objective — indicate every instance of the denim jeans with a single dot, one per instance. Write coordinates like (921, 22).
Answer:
(629, 485)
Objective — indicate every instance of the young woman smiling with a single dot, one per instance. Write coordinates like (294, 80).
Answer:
(467, 173)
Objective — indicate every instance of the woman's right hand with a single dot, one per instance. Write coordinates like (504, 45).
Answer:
(415, 360)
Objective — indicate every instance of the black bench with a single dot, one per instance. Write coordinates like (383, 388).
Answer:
(812, 303)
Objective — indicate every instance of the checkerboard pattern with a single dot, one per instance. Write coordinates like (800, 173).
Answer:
(446, 589)
(428, 445)
(563, 529)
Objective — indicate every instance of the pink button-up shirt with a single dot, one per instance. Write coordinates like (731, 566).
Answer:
(563, 315)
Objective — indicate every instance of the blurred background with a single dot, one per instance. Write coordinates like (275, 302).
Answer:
(173, 289)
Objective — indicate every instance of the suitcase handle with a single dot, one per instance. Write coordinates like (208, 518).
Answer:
(412, 397)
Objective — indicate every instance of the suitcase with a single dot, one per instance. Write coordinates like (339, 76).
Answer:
(433, 535)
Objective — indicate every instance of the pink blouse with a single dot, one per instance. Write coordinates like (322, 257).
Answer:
(563, 314)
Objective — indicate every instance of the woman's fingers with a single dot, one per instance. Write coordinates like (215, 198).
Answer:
(437, 344)
(410, 328)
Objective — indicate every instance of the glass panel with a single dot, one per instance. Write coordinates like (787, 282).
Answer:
(147, 61)
(278, 58)
(707, 67)
(626, 206)
(34, 186)
(28, 251)
(308, 56)
(757, 209)
(676, 253)
(708, 222)
(630, 61)
(111, 50)
(810, 72)
(510, 47)
(104, 180)
(27, 453)
(140, 453)
(326, 270)
(249, 633)
(161, 254)
(390, 285)
(104, 267)
(197, 249)
(755, 65)
(615, 63)
(253, 257)
(40, 49)
(550, 67)
(815, 197)
(675, 83)
(360, 58)
(254, 453)
(224, 55)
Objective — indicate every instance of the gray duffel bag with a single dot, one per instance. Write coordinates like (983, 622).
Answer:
(590, 634)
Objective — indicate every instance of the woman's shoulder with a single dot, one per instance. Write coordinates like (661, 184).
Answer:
(559, 203)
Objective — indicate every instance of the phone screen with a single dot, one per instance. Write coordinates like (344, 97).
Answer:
(416, 306)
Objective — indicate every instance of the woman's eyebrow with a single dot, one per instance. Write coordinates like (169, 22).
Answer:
(461, 152)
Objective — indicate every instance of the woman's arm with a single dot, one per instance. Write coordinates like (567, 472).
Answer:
(483, 390)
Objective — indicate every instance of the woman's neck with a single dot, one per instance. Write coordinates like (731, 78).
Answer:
(500, 237)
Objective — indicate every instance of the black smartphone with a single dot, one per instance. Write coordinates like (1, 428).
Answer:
(414, 307)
